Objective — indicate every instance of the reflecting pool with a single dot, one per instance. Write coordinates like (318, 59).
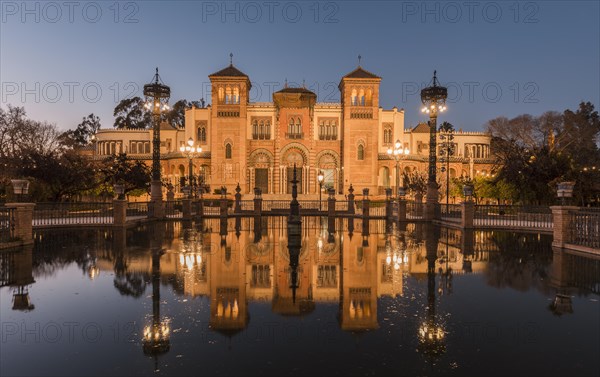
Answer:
(338, 298)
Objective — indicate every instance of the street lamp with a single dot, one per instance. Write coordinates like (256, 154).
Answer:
(398, 152)
(320, 178)
(434, 101)
(157, 101)
(190, 152)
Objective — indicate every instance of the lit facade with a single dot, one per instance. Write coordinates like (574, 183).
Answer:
(257, 144)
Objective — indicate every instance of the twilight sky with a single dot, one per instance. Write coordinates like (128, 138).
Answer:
(63, 60)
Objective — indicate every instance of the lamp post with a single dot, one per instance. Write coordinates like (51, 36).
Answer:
(157, 96)
(447, 137)
(398, 152)
(320, 178)
(190, 152)
(434, 101)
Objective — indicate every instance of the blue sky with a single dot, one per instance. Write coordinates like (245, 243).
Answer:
(64, 60)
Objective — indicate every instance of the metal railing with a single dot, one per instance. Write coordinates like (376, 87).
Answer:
(341, 205)
(7, 224)
(247, 205)
(173, 208)
(66, 213)
(450, 212)
(584, 228)
(137, 209)
(414, 210)
(537, 217)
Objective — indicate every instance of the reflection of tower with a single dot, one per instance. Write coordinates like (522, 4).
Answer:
(19, 273)
(431, 332)
(157, 335)
(228, 305)
(358, 278)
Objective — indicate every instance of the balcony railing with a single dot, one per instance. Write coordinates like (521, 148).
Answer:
(294, 135)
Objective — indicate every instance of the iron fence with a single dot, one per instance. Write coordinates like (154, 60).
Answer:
(537, 217)
(137, 209)
(67, 213)
(450, 212)
(414, 210)
(7, 224)
(584, 228)
(173, 208)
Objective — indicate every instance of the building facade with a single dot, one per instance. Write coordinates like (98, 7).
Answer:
(257, 144)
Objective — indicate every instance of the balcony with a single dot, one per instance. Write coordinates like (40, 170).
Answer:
(296, 135)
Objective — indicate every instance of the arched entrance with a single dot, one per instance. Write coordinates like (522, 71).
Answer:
(293, 154)
(260, 171)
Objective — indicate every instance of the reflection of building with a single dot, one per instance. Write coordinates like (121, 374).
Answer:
(257, 143)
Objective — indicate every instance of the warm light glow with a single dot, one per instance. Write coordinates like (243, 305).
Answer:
(390, 151)
(182, 149)
(388, 260)
(190, 142)
(398, 144)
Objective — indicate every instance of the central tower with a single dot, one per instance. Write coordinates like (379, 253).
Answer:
(359, 93)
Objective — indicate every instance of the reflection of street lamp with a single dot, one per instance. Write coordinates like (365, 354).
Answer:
(398, 152)
(156, 338)
(434, 101)
(320, 178)
(157, 101)
(190, 152)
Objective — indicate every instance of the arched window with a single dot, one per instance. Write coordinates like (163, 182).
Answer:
(361, 97)
(291, 126)
(228, 95)
(236, 95)
(369, 99)
(133, 147)
(298, 126)
(334, 130)
(268, 126)
(353, 99)
(228, 151)
(261, 130)
(321, 130)
(255, 130)
(201, 135)
(221, 94)
(361, 152)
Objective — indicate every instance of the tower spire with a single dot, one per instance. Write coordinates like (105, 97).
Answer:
(359, 58)
(231, 58)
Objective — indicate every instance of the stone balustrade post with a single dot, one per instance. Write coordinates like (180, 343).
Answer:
(561, 221)
(467, 214)
(23, 220)
(331, 203)
(401, 210)
(186, 205)
(119, 212)
(365, 203)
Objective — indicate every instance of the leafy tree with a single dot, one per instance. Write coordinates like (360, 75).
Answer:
(57, 176)
(176, 116)
(131, 114)
(133, 174)
(83, 133)
(415, 182)
(535, 153)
